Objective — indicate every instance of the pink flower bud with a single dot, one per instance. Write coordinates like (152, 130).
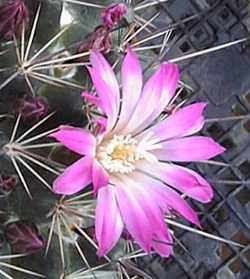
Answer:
(7, 183)
(24, 237)
(99, 40)
(32, 108)
(126, 235)
(113, 14)
(14, 16)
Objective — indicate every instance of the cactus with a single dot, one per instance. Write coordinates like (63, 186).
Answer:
(45, 48)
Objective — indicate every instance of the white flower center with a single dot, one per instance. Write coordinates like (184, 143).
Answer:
(119, 154)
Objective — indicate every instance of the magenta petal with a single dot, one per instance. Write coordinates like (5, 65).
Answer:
(204, 192)
(161, 239)
(163, 242)
(184, 180)
(106, 73)
(75, 178)
(189, 149)
(184, 122)
(177, 203)
(134, 216)
(147, 199)
(131, 86)
(103, 90)
(171, 78)
(101, 65)
(108, 224)
(76, 139)
(148, 101)
(150, 201)
(166, 197)
(156, 93)
(100, 177)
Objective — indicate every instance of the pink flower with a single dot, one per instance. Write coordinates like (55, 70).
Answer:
(13, 17)
(113, 14)
(101, 38)
(130, 163)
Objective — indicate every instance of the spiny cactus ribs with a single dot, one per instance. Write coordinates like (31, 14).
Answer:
(84, 206)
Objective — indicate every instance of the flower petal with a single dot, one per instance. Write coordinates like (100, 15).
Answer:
(134, 216)
(106, 73)
(155, 95)
(131, 86)
(161, 239)
(75, 178)
(188, 149)
(163, 242)
(76, 139)
(103, 90)
(184, 180)
(171, 78)
(106, 84)
(100, 177)
(184, 122)
(166, 197)
(177, 203)
(204, 193)
(108, 224)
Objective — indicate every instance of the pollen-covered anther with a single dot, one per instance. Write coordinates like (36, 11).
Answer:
(119, 154)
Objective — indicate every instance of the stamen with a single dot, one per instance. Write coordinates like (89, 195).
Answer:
(120, 154)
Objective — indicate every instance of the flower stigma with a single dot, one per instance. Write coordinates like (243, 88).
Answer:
(119, 154)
